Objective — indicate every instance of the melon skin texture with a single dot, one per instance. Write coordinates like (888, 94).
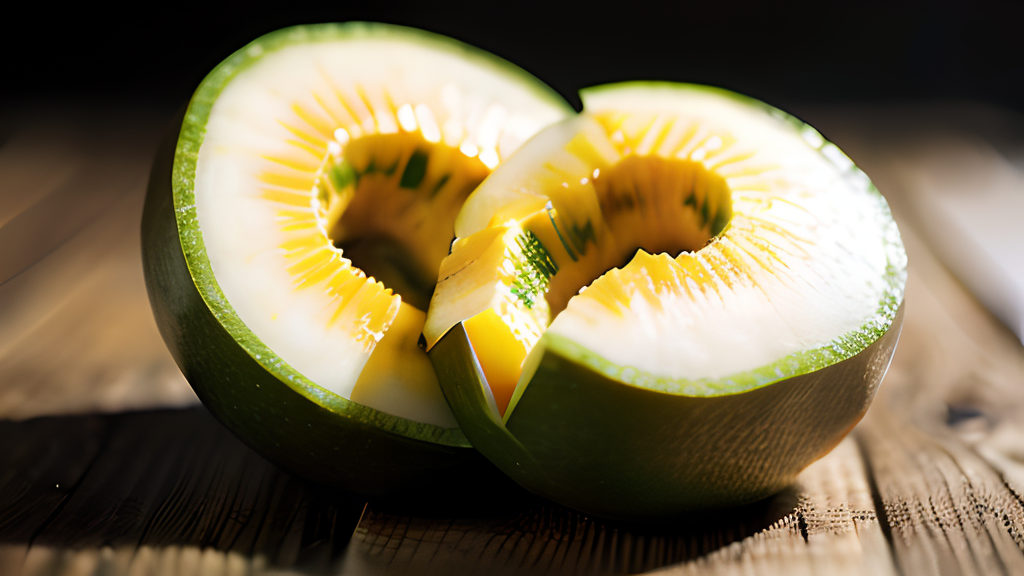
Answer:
(305, 428)
(627, 441)
(605, 448)
(328, 440)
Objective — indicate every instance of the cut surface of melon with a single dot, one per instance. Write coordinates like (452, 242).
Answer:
(675, 238)
(329, 171)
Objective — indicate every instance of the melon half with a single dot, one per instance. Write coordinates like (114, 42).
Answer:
(294, 228)
(677, 299)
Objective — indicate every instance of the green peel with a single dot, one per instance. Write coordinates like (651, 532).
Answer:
(588, 441)
(302, 427)
(299, 426)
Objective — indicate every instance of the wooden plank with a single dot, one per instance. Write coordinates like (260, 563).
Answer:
(943, 438)
(834, 529)
(76, 332)
(948, 512)
(827, 524)
(43, 463)
(948, 509)
(173, 482)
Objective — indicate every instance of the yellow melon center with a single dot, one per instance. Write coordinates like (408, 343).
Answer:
(639, 205)
(658, 205)
(388, 203)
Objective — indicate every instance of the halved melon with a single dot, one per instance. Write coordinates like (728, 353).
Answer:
(292, 247)
(676, 300)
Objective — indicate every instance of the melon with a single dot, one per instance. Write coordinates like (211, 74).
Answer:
(676, 300)
(293, 230)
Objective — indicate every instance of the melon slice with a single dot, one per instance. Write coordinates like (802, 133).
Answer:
(292, 247)
(678, 299)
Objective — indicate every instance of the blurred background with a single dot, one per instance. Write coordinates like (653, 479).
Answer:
(784, 53)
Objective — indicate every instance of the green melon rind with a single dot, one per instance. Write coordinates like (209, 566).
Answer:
(841, 348)
(463, 383)
(278, 419)
(183, 182)
(193, 132)
(588, 442)
(594, 436)
(284, 416)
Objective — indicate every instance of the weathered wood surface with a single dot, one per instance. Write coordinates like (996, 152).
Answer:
(107, 465)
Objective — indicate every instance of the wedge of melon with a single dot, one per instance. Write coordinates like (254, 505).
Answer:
(676, 300)
(294, 229)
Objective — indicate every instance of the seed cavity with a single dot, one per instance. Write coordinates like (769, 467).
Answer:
(388, 203)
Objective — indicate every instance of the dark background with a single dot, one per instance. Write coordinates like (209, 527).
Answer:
(787, 54)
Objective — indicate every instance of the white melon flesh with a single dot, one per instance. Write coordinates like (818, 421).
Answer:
(807, 270)
(270, 133)
(805, 210)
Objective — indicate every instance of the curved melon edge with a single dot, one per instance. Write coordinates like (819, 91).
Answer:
(843, 346)
(336, 442)
(183, 179)
(615, 90)
(706, 452)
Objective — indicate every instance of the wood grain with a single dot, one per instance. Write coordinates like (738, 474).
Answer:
(157, 480)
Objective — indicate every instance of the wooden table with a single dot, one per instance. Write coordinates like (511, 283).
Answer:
(108, 465)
